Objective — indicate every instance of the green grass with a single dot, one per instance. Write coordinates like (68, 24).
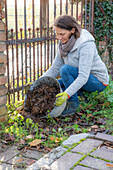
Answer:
(98, 108)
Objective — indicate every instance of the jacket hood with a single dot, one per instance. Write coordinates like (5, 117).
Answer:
(84, 37)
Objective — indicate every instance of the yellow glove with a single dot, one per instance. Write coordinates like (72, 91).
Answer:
(61, 98)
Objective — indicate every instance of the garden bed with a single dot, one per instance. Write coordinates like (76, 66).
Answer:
(93, 116)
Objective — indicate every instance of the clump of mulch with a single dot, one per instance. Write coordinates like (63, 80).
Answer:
(41, 100)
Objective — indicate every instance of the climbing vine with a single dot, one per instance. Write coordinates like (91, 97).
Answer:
(103, 25)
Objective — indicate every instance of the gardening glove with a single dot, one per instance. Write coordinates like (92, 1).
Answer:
(61, 98)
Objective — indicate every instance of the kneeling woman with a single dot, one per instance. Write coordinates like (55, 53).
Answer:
(78, 63)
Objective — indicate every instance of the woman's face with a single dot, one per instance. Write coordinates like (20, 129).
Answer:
(63, 35)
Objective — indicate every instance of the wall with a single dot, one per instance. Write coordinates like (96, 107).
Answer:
(3, 60)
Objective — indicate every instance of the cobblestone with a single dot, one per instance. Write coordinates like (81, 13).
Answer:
(87, 145)
(75, 139)
(8, 154)
(96, 163)
(104, 137)
(66, 161)
(103, 154)
(32, 154)
(78, 167)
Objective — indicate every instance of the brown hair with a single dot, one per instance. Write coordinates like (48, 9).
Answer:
(68, 22)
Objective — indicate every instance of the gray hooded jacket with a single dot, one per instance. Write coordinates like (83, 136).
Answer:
(83, 56)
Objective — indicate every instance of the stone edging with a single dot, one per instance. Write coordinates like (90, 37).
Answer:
(56, 153)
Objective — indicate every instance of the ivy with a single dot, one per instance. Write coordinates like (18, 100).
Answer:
(103, 25)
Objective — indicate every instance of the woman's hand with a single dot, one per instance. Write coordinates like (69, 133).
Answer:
(61, 98)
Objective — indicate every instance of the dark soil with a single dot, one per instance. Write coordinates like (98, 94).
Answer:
(41, 100)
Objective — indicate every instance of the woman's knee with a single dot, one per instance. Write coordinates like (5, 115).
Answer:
(67, 69)
(63, 69)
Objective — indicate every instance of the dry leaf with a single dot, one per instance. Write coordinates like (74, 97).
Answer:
(29, 137)
(89, 130)
(89, 115)
(11, 137)
(106, 104)
(30, 162)
(47, 129)
(19, 160)
(19, 109)
(110, 147)
(52, 138)
(35, 142)
(38, 147)
(79, 113)
(57, 140)
(3, 146)
(22, 142)
(109, 165)
(94, 127)
(5, 142)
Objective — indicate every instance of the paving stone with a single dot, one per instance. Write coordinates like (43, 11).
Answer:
(45, 167)
(103, 154)
(5, 166)
(66, 161)
(79, 167)
(96, 163)
(19, 161)
(106, 148)
(48, 158)
(33, 154)
(8, 154)
(87, 145)
(104, 137)
(75, 139)
(3, 147)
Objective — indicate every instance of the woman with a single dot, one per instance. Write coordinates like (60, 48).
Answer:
(78, 63)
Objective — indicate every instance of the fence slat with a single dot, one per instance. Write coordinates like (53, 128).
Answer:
(25, 32)
(45, 50)
(33, 19)
(54, 32)
(60, 7)
(37, 29)
(17, 63)
(66, 6)
(13, 70)
(51, 56)
(77, 10)
(22, 77)
(41, 36)
(29, 29)
(47, 34)
(71, 7)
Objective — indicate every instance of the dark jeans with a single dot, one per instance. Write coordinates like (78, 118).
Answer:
(69, 74)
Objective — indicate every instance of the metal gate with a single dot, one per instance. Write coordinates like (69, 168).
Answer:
(30, 38)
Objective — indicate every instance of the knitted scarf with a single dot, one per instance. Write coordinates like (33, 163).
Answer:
(66, 48)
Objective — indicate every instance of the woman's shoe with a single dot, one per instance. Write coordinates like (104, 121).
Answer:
(70, 109)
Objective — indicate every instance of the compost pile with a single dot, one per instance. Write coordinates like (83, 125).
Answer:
(41, 99)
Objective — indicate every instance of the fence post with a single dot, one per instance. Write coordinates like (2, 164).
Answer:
(3, 60)
(44, 10)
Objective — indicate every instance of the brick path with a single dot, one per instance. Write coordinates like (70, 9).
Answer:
(13, 159)
(90, 153)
